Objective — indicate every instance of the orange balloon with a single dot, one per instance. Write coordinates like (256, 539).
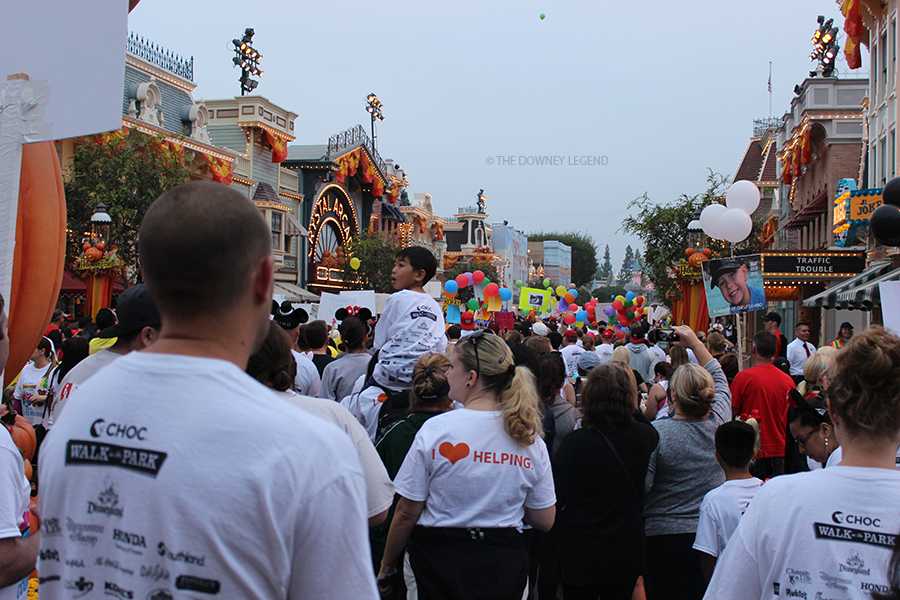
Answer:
(40, 252)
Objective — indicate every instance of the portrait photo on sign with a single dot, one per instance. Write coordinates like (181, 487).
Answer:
(734, 285)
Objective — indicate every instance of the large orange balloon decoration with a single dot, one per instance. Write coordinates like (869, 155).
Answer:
(40, 252)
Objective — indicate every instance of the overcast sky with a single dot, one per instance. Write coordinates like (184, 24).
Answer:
(661, 89)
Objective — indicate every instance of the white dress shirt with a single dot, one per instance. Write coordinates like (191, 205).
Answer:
(797, 355)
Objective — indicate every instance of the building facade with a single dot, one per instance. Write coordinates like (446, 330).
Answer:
(511, 247)
(550, 259)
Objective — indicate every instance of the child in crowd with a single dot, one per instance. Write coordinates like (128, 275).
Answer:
(411, 325)
(736, 444)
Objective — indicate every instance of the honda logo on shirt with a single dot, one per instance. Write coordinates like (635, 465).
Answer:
(100, 428)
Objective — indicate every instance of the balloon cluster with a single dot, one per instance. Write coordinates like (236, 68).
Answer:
(732, 221)
(626, 310)
(479, 282)
(885, 221)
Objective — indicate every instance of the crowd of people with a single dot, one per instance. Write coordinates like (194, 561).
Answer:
(202, 440)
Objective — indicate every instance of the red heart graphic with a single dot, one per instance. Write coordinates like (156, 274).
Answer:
(453, 452)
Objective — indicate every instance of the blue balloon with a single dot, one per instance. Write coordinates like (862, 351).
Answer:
(629, 296)
(506, 294)
(574, 292)
(612, 296)
(451, 286)
(581, 315)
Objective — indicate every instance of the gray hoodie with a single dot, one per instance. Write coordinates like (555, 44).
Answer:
(641, 360)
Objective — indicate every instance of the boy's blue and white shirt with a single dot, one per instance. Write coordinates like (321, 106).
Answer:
(411, 325)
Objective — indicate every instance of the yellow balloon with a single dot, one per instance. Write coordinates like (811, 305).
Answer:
(355, 263)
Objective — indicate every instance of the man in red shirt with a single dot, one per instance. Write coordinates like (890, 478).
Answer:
(762, 392)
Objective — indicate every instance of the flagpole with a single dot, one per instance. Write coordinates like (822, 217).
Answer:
(770, 90)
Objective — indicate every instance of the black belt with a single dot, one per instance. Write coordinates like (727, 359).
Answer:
(476, 534)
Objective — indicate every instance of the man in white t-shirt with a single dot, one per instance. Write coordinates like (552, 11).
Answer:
(308, 381)
(175, 474)
(605, 350)
(722, 507)
(412, 323)
(800, 350)
(570, 352)
(137, 329)
(18, 546)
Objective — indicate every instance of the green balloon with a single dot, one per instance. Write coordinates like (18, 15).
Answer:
(542, 16)
(519, 283)
(472, 304)
(546, 283)
(486, 281)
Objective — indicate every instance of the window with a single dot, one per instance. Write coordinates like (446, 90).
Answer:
(276, 230)
(290, 245)
(893, 152)
(882, 168)
(875, 177)
(884, 60)
(893, 48)
(874, 56)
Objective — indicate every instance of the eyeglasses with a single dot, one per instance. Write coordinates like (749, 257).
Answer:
(804, 439)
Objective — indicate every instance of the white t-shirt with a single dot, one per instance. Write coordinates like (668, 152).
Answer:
(379, 489)
(14, 495)
(184, 474)
(307, 381)
(570, 356)
(825, 534)
(77, 376)
(411, 325)
(833, 459)
(365, 406)
(797, 356)
(470, 473)
(720, 513)
(32, 381)
(658, 354)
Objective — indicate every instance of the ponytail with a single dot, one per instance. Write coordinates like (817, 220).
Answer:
(519, 403)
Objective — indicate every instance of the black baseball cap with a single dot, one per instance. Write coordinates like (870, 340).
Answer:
(773, 316)
(845, 324)
(722, 267)
(136, 309)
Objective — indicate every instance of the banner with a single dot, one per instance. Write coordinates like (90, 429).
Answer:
(534, 299)
(734, 285)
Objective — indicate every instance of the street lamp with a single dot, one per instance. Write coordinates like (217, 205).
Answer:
(695, 236)
(247, 58)
(100, 224)
(375, 109)
(825, 46)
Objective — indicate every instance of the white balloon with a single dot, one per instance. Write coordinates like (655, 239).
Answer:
(735, 225)
(709, 220)
(744, 195)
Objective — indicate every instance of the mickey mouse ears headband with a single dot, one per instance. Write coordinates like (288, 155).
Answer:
(287, 316)
(361, 313)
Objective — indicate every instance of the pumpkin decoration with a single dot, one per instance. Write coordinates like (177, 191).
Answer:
(22, 433)
(688, 252)
(93, 253)
(40, 252)
(707, 252)
(697, 259)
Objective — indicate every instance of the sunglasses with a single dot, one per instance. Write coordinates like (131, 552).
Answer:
(478, 335)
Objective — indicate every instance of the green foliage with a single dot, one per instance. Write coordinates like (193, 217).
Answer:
(584, 253)
(376, 257)
(625, 272)
(603, 293)
(126, 173)
(663, 230)
(605, 271)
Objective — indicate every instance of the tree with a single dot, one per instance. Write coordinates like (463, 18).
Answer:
(605, 272)
(663, 230)
(584, 253)
(126, 172)
(606, 292)
(376, 260)
(625, 272)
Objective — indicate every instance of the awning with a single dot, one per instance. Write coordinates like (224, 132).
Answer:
(843, 294)
(293, 293)
(293, 225)
(867, 295)
(392, 212)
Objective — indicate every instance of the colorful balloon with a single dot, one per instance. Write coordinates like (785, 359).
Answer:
(546, 283)
(581, 315)
(569, 318)
(569, 298)
(560, 290)
(461, 281)
(451, 287)
(355, 263)
(478, 276)
(491, 290)
(472, 304)
(506, 294)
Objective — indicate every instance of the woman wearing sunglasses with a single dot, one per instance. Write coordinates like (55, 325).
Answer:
(472, 479)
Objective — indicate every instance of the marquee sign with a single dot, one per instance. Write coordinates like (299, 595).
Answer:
(851, 213)
(807, 267)
(332, 225)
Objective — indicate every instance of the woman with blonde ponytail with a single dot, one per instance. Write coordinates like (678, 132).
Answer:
(472, 478)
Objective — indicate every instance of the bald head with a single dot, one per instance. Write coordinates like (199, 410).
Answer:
(200, 244)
